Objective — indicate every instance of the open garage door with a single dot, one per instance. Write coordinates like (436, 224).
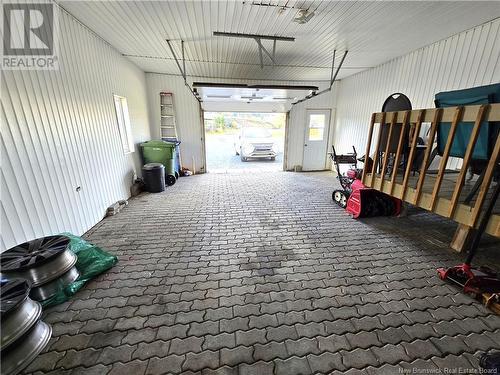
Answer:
(245, 126)
(243, 141)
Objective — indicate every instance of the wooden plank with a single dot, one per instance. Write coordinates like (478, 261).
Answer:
(493, 226)
(463, 212)
(413, 149)
(444, 158)
(488, 176)
(448, 115)
(430, 142)
(462, 238)
(387, 148)
(399, 151)
(368, 146)
(470, 113)
(376, 157)
(467, 158)
(491, 301)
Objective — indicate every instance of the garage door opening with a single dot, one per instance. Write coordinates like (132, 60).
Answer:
(239, 141)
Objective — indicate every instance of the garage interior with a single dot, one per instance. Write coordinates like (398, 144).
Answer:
(257, 271)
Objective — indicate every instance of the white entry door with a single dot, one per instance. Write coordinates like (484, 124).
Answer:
(316, 139)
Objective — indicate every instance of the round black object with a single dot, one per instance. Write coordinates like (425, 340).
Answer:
(153, 175)
(490, 361)
(170, 179)
(33, 253)
(13, 292)
(396, 102)
(340, 197)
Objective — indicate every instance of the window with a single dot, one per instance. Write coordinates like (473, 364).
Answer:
(316, 127)
(123, 119)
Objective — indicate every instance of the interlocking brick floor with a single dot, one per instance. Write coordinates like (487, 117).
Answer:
(260, 273)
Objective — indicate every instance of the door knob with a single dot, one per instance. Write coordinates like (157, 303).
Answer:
(305, 144)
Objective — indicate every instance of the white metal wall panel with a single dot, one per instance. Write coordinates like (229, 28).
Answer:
(298, 123)
(468, 59)
(59, 132)
(187, 116)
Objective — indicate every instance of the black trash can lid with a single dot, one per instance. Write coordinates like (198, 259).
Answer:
(151, 166)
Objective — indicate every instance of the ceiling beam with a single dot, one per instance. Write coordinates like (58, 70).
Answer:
(338, 69)
(183, 67)
(254, 36)
(314, 94)
(183, 71)
(260, 87)
(258, 39)
(262, 48)
(333, 66)
(248, 63)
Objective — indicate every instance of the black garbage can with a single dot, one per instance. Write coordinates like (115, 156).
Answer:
(153, 175)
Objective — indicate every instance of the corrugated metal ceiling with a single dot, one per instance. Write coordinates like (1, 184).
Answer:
(373, 32)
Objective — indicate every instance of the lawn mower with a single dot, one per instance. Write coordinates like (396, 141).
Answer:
(354, 196)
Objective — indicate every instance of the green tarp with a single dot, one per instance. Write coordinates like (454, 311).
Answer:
(91, 261)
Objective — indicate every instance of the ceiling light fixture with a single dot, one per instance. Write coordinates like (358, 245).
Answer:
(303, 16)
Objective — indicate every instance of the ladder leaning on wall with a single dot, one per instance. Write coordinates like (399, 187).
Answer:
(168, 126)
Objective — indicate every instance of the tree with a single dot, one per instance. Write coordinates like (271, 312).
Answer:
(220, 122)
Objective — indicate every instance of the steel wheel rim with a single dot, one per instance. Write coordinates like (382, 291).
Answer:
(13, 293)
(16, 324)
(48, 270)
(33, 253)
(25, 350)
(18, 312)
(49, 289)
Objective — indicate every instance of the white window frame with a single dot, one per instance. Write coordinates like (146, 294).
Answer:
(123, 121)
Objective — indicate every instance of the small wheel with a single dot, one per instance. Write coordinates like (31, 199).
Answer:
(343, 201)
(243, 158)
(340, 198)
(273, 158)
(337, 196)
(170, 179)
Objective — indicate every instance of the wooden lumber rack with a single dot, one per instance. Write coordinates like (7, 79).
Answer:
(437, 191)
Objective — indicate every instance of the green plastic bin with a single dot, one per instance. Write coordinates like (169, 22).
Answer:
(161, 152)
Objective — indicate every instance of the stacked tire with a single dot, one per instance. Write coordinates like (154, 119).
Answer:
(47, 263)
(23, 334)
